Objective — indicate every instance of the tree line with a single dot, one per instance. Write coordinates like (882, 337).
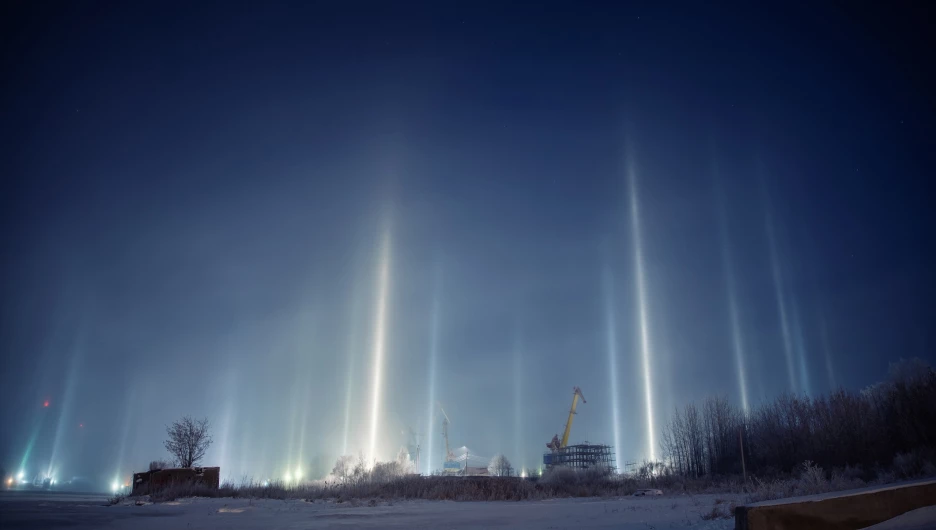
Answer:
(866, 429)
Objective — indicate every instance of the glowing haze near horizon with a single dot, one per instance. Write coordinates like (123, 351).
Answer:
(312, 227)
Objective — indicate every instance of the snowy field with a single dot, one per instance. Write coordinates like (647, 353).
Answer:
(87, 512)
(91, 512)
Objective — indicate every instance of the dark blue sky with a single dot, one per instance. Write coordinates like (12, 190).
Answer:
(194, 196)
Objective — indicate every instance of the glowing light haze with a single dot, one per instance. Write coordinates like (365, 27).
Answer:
(311, 222)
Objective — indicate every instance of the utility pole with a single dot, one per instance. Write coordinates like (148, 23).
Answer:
(741, 441)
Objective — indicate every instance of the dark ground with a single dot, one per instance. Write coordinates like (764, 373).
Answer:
(50, 509)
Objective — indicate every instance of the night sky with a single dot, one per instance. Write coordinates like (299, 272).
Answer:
(219, 208)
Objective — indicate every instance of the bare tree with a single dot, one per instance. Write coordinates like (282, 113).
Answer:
(499, 466)
(188, 440)
(894, 420)
(403, 461)
(344, 467)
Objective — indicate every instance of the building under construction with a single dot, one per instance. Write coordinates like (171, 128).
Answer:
(580, 456)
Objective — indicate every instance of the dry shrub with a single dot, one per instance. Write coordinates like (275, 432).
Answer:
(914, 464)
(178, 490)
(812, 480)
(157, 465)
(116, 499)
(559, 483)
(716, 513)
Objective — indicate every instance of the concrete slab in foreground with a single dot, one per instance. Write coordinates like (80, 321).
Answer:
(844, 510)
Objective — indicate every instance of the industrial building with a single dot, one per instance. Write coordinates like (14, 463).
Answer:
(580, 456)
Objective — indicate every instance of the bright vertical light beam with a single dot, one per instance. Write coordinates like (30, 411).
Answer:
(781, 300)
(518, 400)
(642, 304)
(737, 344)
(827, 352)
(380, 322)
(433, 355)
(799, 344)
(227, 419)
(352, 357)
(734, 320)
(64, 410)
(611, 336)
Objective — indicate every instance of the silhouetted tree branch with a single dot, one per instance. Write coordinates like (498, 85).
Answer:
(188, 440)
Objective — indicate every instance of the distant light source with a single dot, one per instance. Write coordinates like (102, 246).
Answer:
(9, 481)
(81, 425)
(45, 403)
(287, 477)
(115, 486)
(21, 475)
(298, 474)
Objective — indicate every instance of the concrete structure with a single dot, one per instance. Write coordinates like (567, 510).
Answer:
(149, 481)
(839, 510)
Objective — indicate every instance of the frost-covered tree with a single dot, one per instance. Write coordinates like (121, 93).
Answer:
(404, 462)
(891, 422)
(188, 440)
(499, 466)
(344, 468)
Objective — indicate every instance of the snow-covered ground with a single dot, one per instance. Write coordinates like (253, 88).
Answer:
(87, 512)
(625, 513)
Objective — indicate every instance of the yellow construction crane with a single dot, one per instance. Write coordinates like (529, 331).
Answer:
(449, 456)
(556, 444)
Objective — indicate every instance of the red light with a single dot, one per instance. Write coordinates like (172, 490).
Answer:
(81, 425)
(45, 403)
